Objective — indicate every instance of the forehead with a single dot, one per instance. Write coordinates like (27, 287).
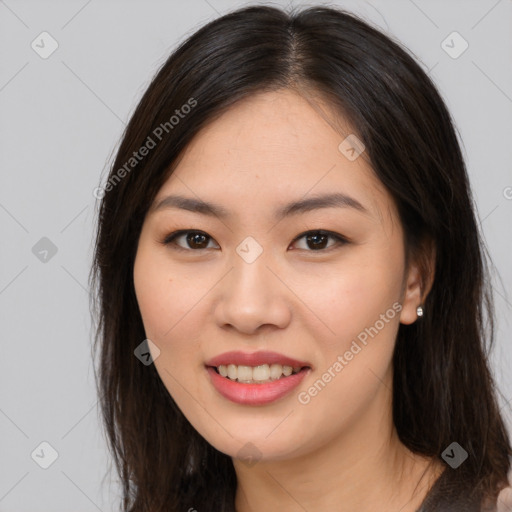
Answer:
(271, 147)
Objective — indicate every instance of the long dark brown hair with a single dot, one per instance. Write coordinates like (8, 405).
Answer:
(443, 389)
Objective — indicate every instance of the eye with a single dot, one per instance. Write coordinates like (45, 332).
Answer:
(194, 239)
(317, 239)
(197, 240)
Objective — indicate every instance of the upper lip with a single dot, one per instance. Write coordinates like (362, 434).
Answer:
(255, 359)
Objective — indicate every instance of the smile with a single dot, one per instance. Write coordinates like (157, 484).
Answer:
(256, 390)
(255, 378)
(256, 374)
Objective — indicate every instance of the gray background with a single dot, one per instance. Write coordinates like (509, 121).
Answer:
(61, 120)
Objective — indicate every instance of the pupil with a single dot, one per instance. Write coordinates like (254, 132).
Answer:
(315, 237)
(194, 237)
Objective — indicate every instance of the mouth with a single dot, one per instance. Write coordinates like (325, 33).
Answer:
(256, 386)
(261, 374)
(255, 378)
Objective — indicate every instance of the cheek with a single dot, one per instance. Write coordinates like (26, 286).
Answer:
(173, 312)
(150, 291)
(165, 300)
(167, 310)
(362, 309)
(353, 294)
(360, 304)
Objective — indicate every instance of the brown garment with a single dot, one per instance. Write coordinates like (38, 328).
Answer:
(446, 495)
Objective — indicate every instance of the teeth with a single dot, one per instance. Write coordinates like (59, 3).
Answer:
(259, 373)
(256, 374)
(276, 370)
(244, 373)
(232, 371)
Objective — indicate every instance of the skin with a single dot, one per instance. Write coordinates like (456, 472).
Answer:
(340, 451)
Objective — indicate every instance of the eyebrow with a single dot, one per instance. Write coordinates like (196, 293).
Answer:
(337, 200)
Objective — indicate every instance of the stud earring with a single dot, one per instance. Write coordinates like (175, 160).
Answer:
(419, 311)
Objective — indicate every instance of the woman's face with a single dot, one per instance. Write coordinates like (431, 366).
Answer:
(252, 280)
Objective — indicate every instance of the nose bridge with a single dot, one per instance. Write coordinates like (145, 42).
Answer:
(250, 250)
(250, 274)
(251, 294)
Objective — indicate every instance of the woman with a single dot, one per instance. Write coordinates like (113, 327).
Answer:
(247, 362)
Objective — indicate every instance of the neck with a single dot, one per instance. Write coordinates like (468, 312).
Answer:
(366, 468)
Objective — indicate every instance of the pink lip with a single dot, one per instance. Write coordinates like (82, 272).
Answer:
(255, 394)
(255, 359)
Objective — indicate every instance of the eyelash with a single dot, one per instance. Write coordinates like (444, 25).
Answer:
(170, 239)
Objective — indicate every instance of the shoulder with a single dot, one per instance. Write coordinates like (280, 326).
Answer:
(504, 501)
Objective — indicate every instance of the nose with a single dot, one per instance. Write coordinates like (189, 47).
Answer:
(253, 297)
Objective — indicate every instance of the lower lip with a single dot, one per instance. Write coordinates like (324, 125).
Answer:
(255, 394)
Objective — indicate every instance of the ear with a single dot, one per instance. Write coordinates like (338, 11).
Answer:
(418, 280)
